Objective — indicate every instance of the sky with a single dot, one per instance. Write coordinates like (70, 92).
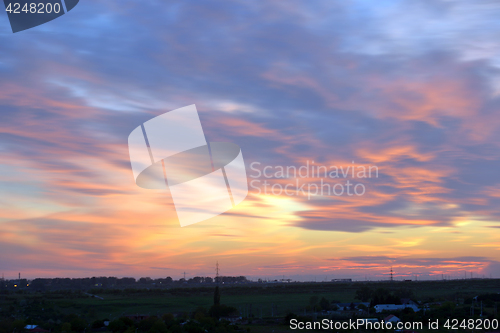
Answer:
(411, 88)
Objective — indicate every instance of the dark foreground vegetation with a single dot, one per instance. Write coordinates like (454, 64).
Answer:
(239, 307)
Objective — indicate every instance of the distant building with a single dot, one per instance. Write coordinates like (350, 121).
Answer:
(35, 329)
(394, 307)
(342, 280)
(351, 306)
(231, 319)
(408, 301)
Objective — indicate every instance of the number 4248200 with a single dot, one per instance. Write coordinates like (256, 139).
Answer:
(33, 8)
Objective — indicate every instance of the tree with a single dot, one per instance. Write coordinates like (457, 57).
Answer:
(324, 304)
(404, 293)
(199, 313)
(169, 319)
(364, 294)
(217, 296)
(117, 326)
(78, 324)
(313, 300)
(66, 328)
(18, 325)
(97, 324)
(383, 296)
(147, 324)
(159, 327)
(217, 311)
(447, 308)
(145, 280)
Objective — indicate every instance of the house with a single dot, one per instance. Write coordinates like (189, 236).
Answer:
(408, 301)
(342, 280)
(231, 319)
(343, 306)
(394, 307)
(392, 319)
(388, 307)
(347, 306)
(35, 329)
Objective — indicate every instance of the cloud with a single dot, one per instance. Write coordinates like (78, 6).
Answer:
(411, 88)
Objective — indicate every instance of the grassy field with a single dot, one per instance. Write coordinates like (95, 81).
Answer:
(260, 299)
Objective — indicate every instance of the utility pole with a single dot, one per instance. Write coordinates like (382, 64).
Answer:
(391, 275)
(217, 272)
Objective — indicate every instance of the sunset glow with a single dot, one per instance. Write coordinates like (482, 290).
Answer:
(291, 83)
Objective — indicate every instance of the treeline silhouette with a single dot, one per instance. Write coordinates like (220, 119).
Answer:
(45, 284)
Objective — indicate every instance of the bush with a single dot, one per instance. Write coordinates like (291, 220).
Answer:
(98, 324)
(217, 311)
(119, 325)
(147, 324)
(159, 327)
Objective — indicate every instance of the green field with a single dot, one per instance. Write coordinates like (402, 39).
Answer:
(261, 300)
